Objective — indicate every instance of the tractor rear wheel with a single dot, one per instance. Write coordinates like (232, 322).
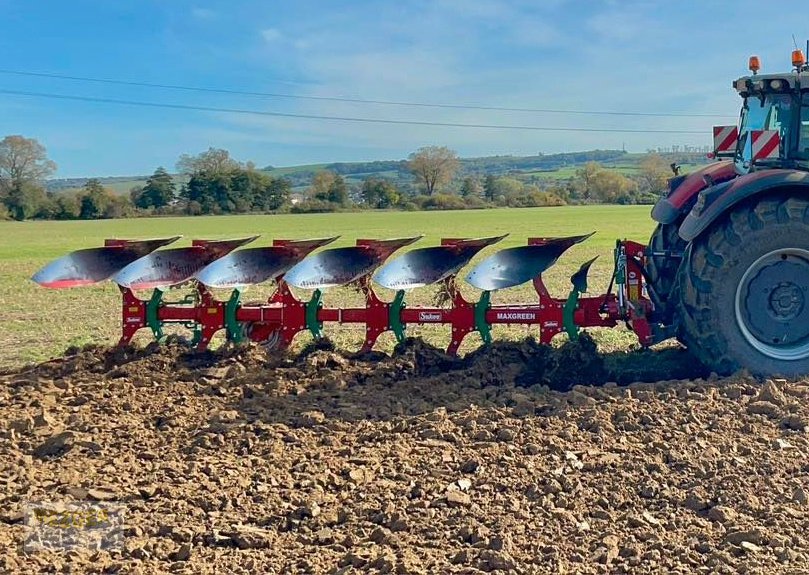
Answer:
(743, 289)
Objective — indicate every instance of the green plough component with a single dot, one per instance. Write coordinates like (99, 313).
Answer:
(312, 306)
(579, 281)
(395, 316)
(568, 313)
(197, 333)
(233, 329)
(483, 327)
(620, 266)
(152, 320)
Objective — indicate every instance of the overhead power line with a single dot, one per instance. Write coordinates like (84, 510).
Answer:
(358, 100)
(336, 118)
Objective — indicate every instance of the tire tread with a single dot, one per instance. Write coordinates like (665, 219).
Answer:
(702, 267)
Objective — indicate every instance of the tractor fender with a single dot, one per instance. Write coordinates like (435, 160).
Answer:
(717, 200)
(683, 190)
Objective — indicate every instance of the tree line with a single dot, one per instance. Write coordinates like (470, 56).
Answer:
(212, 182)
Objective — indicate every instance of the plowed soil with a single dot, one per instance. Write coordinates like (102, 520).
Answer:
(519, 458)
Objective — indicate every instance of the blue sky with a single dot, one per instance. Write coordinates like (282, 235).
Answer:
(565, 54)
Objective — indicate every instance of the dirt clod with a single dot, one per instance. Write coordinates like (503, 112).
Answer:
(55, 445)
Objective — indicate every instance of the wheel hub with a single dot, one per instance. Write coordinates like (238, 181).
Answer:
(786, 301)
(771, 304)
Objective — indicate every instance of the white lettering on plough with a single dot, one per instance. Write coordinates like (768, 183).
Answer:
(516, 316)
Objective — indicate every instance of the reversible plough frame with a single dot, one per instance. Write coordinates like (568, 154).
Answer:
(138, 266)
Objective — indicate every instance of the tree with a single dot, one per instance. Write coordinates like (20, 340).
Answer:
(433, 166)
(158, 191)
(68, 206)
(611, 187)
(95, 200)
(501, 189)
(654, 174)
(507, 187)
(209, 193)
(117, 207)
(490, 187)
(239, 190)
(25, 199)
(321, 182)
(275, 196)
(584, 178)
(471, 188)
(379, 193)
(23, 160)
(23, 165)
(338, 191)
(212, 161)
(258, 191)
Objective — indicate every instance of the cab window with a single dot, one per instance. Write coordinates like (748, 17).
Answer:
(803, 143)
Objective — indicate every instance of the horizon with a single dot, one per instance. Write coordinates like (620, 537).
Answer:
(268, 168)
(424, 67)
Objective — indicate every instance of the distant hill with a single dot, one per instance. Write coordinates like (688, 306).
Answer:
(118, 184)
(550, 167)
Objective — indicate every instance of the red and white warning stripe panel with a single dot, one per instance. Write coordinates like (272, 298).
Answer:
(766, 144)
(724, 140)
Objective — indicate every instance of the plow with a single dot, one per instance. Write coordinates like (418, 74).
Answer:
(726, 270)
(207, 265)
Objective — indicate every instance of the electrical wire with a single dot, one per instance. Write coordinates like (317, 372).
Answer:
(116, 101)
(358, 100)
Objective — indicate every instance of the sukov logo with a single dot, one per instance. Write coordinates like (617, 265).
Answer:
(430, 316)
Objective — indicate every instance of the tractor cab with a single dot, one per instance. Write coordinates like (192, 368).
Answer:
(773, 127)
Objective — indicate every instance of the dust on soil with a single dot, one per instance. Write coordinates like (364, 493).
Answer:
(517, 458)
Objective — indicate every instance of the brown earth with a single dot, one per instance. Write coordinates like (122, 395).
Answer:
(240, 462)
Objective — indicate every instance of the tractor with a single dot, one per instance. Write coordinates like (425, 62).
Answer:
(728, 264)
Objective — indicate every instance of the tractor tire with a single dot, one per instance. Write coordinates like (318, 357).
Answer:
(661, 271)
(743, 290)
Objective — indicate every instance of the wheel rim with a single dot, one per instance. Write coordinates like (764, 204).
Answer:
(772, 304)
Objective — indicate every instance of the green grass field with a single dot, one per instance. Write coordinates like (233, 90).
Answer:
(36, 323)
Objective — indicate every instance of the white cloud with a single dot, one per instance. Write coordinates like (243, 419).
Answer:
(271, 34)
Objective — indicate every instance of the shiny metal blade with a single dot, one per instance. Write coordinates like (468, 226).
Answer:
(470, 242)
(248, 267)
(425, 266)
(579, 279)
(164, 268)
(305, 246)
(513, 266)
(93, 265)
(568, 241)
(170, 267)
(219, 248)
(334, 267)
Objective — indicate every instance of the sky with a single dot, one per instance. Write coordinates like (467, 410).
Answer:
(576, 55)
